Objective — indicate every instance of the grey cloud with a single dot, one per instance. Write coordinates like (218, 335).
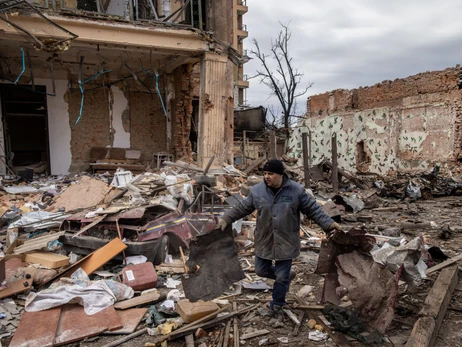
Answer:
(339, 44)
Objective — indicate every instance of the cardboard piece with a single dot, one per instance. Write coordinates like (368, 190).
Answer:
(75, 324)
(37, 329)
(51, 260)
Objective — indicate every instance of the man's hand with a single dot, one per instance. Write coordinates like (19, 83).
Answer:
(334, 226)
(223, 224)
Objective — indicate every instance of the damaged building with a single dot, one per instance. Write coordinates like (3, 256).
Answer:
(131, 82)
(402, 125)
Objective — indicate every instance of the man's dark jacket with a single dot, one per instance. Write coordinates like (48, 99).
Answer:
(277, 235)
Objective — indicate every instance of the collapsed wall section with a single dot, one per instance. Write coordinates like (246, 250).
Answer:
(139, 123)
(406, 124)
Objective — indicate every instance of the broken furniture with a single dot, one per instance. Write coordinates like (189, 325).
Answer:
(158, 158)
(110, 159)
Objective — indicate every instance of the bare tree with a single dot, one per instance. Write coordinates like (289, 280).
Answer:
(284, 79)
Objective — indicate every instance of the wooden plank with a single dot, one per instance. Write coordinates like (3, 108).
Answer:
(254, 165)
(292, 317)
(137, 301)
(16, 287)
(98, 258)
(350, 177)
(51, 260)
(426, 328)
(184, 166)
(172, 270)
(309, 307)
(297, 327)
(75, 324)
(226, 335)
(130, 320)
(37, 329)
(334, 164)
(255, 334)
(443, 264)
(306, 159)
(235, 327)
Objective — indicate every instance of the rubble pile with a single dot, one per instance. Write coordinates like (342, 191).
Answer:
(108, 258)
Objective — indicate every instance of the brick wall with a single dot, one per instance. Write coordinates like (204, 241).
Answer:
(182, 111)
(386, 93)
(145, 121)
(93, 128)
(147, 124)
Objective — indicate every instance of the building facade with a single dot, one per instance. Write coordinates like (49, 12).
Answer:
(408, 124)
(153, 76)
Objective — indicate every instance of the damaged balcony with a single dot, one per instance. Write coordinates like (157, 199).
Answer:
(136, 86)
(187, 13)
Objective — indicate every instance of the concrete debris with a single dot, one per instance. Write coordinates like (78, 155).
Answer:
(389, 234)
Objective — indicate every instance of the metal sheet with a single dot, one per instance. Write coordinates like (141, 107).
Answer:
(43, 324)
(76, 325)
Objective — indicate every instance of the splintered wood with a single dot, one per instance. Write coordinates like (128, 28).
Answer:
(426, 328)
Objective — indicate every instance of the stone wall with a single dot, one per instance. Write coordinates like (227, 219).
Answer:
(405, 124)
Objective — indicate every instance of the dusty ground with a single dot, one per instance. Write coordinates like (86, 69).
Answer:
(441, 211)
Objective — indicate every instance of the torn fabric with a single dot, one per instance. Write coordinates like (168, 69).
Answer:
(93, 296)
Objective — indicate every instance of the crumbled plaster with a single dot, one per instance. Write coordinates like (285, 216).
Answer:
(393, 139)
(376, 128)
(118, 111)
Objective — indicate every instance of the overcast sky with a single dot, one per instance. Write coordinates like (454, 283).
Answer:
(353, 43)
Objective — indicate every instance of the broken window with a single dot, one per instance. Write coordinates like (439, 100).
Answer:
(184, 12)
(110, 7)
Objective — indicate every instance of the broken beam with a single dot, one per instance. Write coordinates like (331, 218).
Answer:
(426, 328)
(443, 264)
(350, 177)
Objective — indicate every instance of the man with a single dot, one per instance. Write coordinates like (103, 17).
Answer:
(279, 202)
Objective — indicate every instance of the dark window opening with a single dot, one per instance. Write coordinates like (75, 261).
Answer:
(193, 134)
(25, 127)
(361, 155)
(87, 5)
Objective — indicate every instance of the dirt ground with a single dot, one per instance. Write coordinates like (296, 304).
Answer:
(439, 212)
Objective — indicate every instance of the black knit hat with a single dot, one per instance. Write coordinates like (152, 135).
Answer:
(275, 166)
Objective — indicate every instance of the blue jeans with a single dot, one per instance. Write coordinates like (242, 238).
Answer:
(280, 273)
